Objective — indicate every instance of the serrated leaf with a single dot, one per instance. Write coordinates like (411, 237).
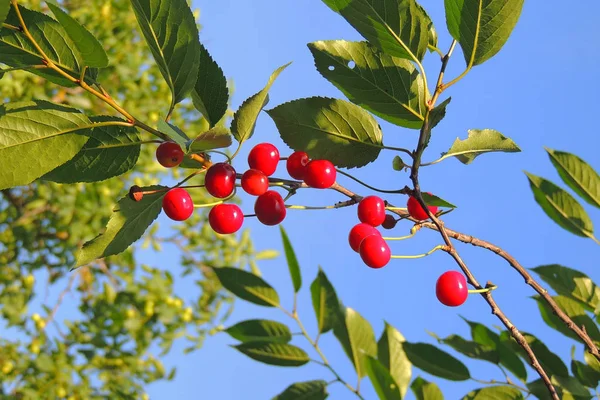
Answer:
(550, 362)
(438, 113)
(480, 142)
(260, 330)
(177, 135)
(362, 73)
(329, 129)
(436, 362)
(210, 94)
(433, 200)
(481, 27)
(109, 152)
(91, 51)
(578, 175)
(561, 207)
(279, 354)
(571, 283)
(495, 393)
(574, 310)
(127, 224)
(391, 355)
(37, 137)
(356, 336)
(424, 390)
(472, 349)
(247, 286)
(325, 303)
(309, 390)
(383, 382)
(399, 27)
(215, 138)
(244, 119)
(292, 261)
(170, 30)
(4, 9)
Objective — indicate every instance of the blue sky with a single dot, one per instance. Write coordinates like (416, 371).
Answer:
(540, 90)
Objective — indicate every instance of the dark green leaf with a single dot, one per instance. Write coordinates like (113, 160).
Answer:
(216, 138)
(391, 355)
(398, 164)
(578, 175)
(433, 200)
(571, 283)
(129, 221)
(591, 361)
(329, 129)
(210, 94)
(478, 143)
(4, 9)
(540, 391)
(511, 361)
(174, 133)
(424, 390)
(292, 261)
(551, 363)
(482, 27)
(325, 303)
(382, 381)
(260, 330)
(572, 386)
(434, 361)
(472, 349)
(585, 374)
(247, 286)
(310, 390)
(363, 73)
(438, 113)
(561, 207)
(574, 310)
(356, 336)
(279, 354)
(495, 393)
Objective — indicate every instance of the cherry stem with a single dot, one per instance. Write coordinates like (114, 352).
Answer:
(367, 185)
(229, 158)
(413, 232)
(216, 203)
(484, 290)
(420, 255)
(396, 208)
(291, 207)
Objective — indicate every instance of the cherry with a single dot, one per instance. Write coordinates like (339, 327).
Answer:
(296, 164)
(358, 233)
(451, 289)
(254, 182)
(264, 157)
(371, 210)
(417, 211)
(375, 252)
(226, 218)
(169, 154)
(220, 180)
(389, 222)
(178, 204)
(270, 208)
(320, 174)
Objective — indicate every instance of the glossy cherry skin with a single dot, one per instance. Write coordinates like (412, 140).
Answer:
(375, 252)
(226, 218)
(169, 154)
(371, 210)
(254, 182)
(358, 233)
(264, 157)
(270, 208)
(416, 211)
(178, 204)
(389, 222)
(220, 180)
(296, 165)
(451, 289)
(320, 174)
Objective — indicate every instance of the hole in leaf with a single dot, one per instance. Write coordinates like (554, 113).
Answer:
(351, 64)
(331, 68)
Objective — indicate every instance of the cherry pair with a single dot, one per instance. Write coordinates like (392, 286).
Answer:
(318, 174)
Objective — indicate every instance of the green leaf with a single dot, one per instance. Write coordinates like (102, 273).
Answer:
(424, 390)
(309, 390)
(574, 310)
(210, 95)
(279, 354)
(328, 308)
(244, 119)
(177, 135)
(215, 138)
(170, 30)
(578, 175)
(260, 330)
(383, 382)
(511, 361)
(127, 224)
(4, 9)
(247, 286)
(391, 355)
(436, 362)
(572, 386)
(356, 336)
(110, 151)
(329, 129)
(433, 200)
(398, 164)
(591, 361)
(495, 393)
(363, 73)
(37, 137)
(481, 27)
(292, 261)
(571, 283)
(585, 374)
(438, 113)
(552, 364)
(561, 207)
(91, 51)
(398, 27)
(478, 143)
(472, 349)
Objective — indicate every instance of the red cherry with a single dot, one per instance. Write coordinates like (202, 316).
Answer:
(270, 208)
(390, 222)
(375, 252)
(296, 164)
(451, 289)
(416, 211)
(358, 233)
(169, 154)
(254, 182)
(320, 174)
(220, 180)
(371, 210)
(178, 204)
(264, 157)
(226, 218)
